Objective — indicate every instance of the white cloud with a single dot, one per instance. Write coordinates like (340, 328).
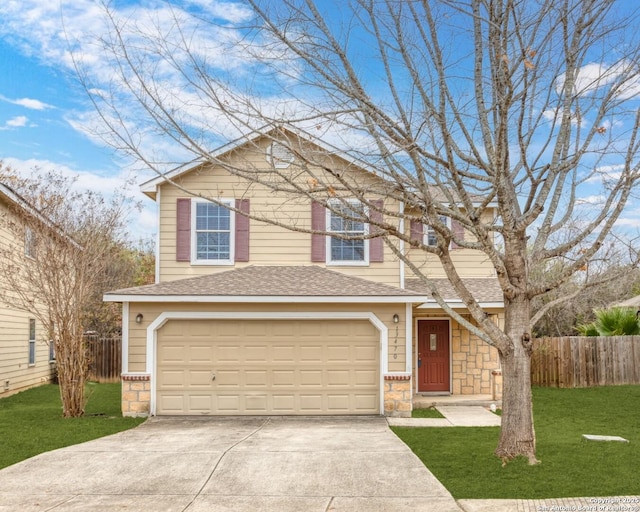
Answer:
(597, 76)
(31, 104)
(15, 122)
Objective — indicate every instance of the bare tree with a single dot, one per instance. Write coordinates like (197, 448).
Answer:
(526, 109)
(68, 234)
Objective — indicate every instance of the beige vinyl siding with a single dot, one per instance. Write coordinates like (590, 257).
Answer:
(469, 263)
(15, 371)
(269, 244)
(138, 340)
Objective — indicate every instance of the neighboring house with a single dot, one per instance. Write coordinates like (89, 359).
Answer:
(26, 358)
(247, 317)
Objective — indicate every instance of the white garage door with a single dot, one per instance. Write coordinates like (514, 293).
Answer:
(256, 367)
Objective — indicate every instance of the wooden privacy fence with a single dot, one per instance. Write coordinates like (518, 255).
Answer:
(105, 358)
(579, 362)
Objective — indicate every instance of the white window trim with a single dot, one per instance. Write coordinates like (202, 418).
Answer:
(346, 263)
(427, 227)
(194, 237)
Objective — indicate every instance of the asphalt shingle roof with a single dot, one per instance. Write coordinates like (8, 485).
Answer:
(486, 289)
(294, 281)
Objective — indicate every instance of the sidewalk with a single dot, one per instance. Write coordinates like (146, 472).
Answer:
(595, 504)
(479, 416)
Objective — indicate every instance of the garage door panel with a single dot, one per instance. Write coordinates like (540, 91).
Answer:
(227, 379)
(256, 378)
(310, 377)
(171, 404)
(365, 402)
(311, 354)
(253, 353)
(227, 354)
(365, 377)
(338, 378)
(172, 378)
(295, 367)
(256, 404)
(284, 404)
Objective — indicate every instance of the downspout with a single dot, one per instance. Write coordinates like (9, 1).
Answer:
(157, 248)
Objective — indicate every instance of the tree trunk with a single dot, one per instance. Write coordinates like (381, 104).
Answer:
(517, 435)
(71, 364)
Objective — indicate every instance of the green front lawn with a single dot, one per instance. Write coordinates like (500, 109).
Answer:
(31, 422)
(462, 458)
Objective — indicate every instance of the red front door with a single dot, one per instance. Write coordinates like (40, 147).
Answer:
(433, 355)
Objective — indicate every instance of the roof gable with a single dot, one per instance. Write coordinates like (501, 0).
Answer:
(273, 134)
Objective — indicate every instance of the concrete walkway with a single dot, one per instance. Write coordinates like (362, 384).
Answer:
(198, 464)
(454, 416)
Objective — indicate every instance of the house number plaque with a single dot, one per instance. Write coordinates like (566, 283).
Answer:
(433, 342)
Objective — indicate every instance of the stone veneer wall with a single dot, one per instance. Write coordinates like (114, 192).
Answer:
(398, 396)
(136, 395)
(473, 362)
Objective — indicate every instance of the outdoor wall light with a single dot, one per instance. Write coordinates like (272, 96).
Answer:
(396, 318)
(139, 318)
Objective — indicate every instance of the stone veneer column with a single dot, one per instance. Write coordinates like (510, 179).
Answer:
(398, 397)
(136, 395)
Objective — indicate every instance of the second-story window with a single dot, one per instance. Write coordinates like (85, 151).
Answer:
(212, 233)
(344, 220)
(430, 234)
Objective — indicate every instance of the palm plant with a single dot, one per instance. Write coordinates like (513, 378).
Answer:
(612, 322)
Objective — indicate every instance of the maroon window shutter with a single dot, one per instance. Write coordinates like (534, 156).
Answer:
(376, 245)
(318, 242)
(458, 232)
(242, 231)
(183, 229)
(417, 230)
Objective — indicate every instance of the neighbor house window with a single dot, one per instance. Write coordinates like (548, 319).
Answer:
(430, 237)
(212, 233)
(344, 218)
(32, 341)
(29, 243)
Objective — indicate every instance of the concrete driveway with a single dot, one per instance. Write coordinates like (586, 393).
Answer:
(231, 464)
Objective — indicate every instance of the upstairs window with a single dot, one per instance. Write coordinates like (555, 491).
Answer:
(344, 220)
(430, 237)
(212, 233)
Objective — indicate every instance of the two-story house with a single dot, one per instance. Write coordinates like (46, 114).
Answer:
(26, 356)
(278, 317)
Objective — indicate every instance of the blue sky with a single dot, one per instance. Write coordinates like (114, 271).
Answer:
(45, 114)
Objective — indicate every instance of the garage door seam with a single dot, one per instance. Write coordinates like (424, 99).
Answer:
(264, 424)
